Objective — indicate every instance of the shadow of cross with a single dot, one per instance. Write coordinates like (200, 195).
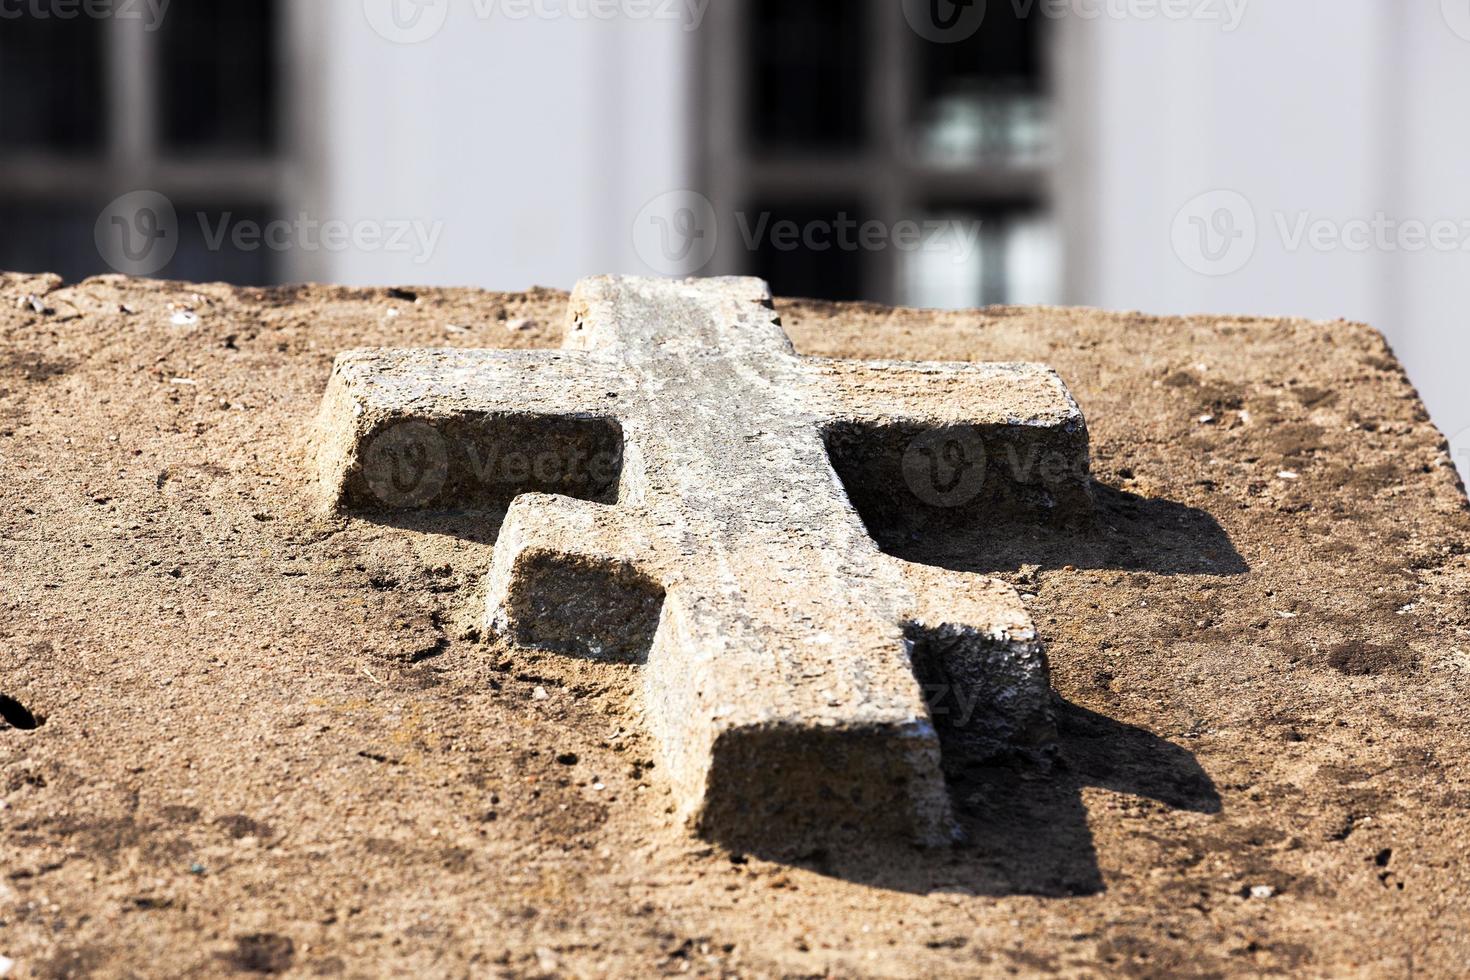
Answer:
(678, 482)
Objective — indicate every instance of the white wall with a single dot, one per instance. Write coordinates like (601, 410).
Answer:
(1337, 109)
(534, 142)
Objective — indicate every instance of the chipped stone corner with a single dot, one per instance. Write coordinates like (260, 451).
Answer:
(334, 440)
(989, 690)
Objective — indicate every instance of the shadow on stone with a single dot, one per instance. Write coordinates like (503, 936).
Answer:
(1127, 533)
(583, 606)
(477, 526)
(481, 460)
(1024, 824)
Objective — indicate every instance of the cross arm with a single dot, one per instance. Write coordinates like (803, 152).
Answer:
(977, 655)
(575, 577)
(946, 393)
(943, 437)
(453, 429)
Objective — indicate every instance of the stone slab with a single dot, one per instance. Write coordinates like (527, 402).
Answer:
(268, 740)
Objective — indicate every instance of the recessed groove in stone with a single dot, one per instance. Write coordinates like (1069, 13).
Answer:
(585, 605)
(910, 478)
(483, 461)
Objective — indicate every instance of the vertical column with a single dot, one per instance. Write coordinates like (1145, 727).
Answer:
(132, 94)
(889, 106)
(303, 43)
(719, 124)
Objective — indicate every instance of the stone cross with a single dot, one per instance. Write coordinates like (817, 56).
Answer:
(687, 492)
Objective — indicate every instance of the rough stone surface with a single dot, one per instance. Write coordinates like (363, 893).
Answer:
(787, 658)
(265, 738)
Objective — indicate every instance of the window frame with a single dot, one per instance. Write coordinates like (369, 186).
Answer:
(133, 155)
(884, 174)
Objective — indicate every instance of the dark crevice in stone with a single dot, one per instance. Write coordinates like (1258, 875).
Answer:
(480, 461)
(17, 715)
(912, 482)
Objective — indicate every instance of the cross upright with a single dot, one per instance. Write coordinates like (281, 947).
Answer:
(687, 492)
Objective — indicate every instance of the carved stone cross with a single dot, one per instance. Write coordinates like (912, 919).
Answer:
(686, 492)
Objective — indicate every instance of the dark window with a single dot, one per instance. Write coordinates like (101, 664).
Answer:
(51, 96)
(218, 78)
(208, 251)
(983, 99)
(981, 254)
(51, 237)
(1004, 53)
(59, 236)
(809, 249)
(808, 61)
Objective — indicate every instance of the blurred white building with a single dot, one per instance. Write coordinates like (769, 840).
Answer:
(1172, 156)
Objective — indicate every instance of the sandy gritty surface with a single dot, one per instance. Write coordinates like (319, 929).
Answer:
(269, 740)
